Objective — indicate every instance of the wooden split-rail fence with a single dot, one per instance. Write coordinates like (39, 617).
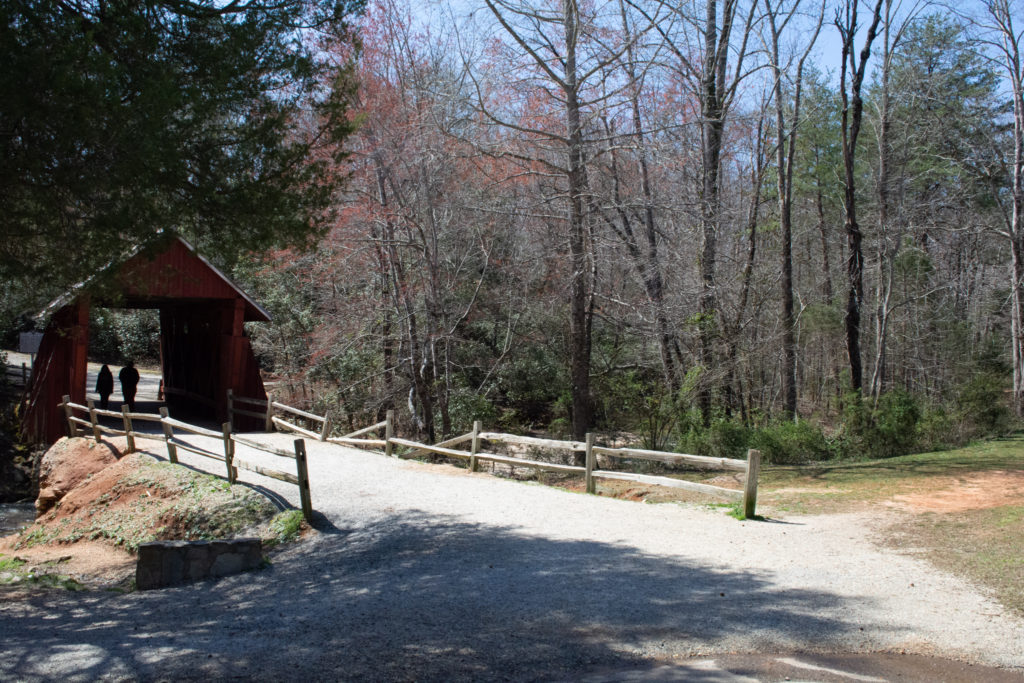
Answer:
(278, 415)
(226, 454)
(750, 467)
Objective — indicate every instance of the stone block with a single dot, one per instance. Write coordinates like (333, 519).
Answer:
(165, 563)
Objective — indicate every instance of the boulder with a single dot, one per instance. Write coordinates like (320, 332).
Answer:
(67, 464)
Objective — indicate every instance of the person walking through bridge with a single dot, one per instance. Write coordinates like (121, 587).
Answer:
(129, 377)
(104, 385)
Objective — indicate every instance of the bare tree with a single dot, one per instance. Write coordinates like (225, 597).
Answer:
(703, 63)
(1004, 39)
(552, 38)
(778, 17)
(852, 72)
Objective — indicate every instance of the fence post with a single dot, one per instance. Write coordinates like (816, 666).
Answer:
(92, 418)
(389, 433)
(172, 450)
(303, 472)
(229, 452)
(268, 426)
(128, 428)
(326, 431)
(72, 430)
(750, 486)
(474, 464)
(231, 408)
(591, 488)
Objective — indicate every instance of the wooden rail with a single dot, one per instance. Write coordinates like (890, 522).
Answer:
(750, 466)
(225, 454)
(266, 414)
(323, 421)
(271, 420)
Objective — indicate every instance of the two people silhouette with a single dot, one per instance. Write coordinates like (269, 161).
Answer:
(129, 378)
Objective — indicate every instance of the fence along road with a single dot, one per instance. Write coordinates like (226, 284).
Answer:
(435, 573)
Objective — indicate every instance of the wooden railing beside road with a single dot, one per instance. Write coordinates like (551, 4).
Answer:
(448, 448)
(225, 454)
(750, 467)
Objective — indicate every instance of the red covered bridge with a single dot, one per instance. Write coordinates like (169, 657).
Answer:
(203, 347)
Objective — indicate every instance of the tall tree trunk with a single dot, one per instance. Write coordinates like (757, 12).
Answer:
(826, 267)
(851, 123)
(1005, 39)
(420, 402)
(732, 381)
(650, 267)
(712, 125)
(579, 290)
(886, 255)
(387, 343)
(1016, 250)
(785, 151)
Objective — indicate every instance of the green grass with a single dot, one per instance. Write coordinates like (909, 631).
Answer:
(14, 573)
(838, 486)
(984, 545)
(285, 527)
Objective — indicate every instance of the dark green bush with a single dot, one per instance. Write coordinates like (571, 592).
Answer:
(885, 431)
(119, 336)
(982, 406)
(937, 430)
(895, 419)
(465, 406)
(788, 443)
(723, 438)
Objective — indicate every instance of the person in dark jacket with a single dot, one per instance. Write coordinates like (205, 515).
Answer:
(104, 385)
(129, 377)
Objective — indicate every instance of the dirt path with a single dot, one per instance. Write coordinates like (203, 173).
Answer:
(431, 573)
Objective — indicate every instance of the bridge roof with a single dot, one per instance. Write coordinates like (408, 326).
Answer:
(175, 274)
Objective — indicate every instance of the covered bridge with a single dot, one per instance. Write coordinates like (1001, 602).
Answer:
(203, 348)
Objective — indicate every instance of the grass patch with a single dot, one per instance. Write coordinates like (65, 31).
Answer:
(980, 543)
(983, 545)
(284, 527)
(846, 485)
(14, 573)
(155, 501)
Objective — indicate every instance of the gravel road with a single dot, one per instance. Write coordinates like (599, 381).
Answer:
(431, 573)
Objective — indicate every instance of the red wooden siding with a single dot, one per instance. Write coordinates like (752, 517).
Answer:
(204, 351)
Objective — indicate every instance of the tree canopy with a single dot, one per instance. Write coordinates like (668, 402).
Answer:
(121, 119)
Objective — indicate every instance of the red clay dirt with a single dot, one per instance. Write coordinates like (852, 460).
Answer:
(68, 463)
(80, 476)
(978, 491)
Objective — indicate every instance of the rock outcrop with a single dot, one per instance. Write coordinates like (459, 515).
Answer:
(68, 463)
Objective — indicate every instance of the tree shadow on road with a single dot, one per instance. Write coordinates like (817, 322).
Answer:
(416, 597)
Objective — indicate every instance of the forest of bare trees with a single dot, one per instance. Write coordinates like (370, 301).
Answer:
(702, 223)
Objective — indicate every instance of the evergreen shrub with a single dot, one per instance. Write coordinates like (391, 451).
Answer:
(789, 443)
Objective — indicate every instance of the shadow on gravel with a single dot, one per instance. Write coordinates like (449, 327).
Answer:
(413, 597)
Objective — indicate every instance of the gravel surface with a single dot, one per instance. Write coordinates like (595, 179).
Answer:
(428, 572)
